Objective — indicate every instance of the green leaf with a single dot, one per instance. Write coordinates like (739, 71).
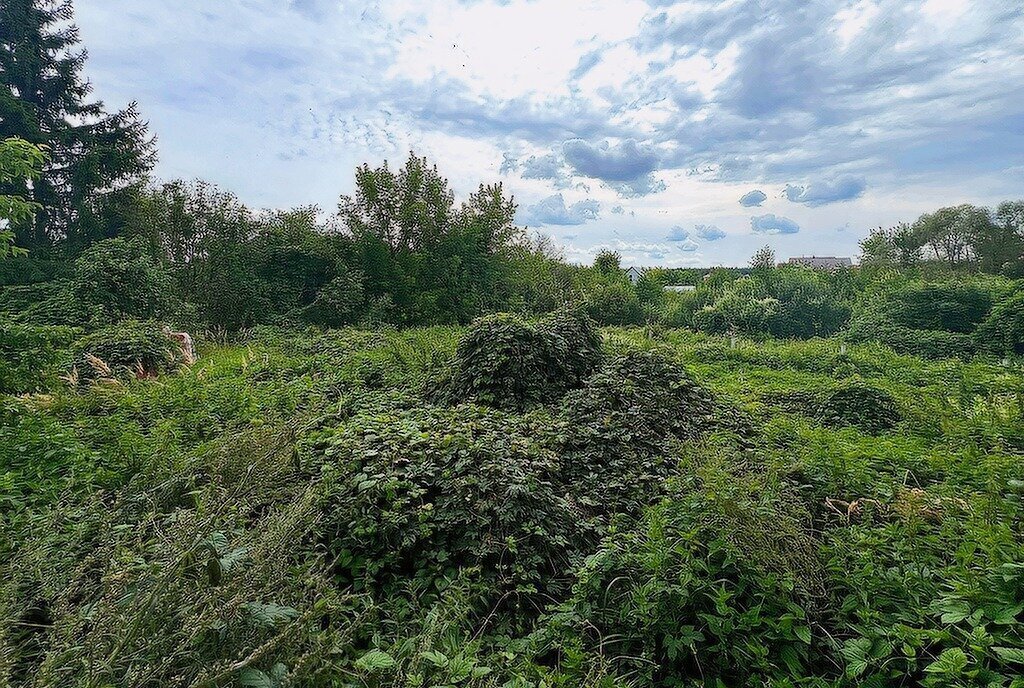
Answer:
(1010, 654)
(438, 659)
(951, 662)
(269, 615)
(254, 678)
(375, 660)
(803, 633)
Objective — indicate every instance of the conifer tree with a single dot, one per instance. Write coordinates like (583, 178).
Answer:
(93, 155)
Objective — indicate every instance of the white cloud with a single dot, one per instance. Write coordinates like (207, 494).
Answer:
(681, 108)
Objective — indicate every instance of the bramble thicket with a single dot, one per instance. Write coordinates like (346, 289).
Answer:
(419, 448)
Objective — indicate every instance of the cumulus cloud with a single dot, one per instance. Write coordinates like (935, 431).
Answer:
(677, 233)
(823, 192)
(753, 198)
(689, 246)
(770, 224)
(621, 162)
(708, 232)
(553, 211)
(635, 95)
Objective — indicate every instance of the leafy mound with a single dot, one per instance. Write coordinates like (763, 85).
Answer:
(130, 349)
(713, 582)
(616, 433)
(1002, 332)
(505, 362)
(858, 404)
(420, 494)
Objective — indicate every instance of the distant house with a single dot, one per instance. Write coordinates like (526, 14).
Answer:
(679, 287)
(821, 262)
(634, 274)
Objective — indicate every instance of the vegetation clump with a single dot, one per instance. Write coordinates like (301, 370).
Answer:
(1002, 331)
(616, 431)
(855, 403)
(419, 495)
(131, 349)
(505, 362)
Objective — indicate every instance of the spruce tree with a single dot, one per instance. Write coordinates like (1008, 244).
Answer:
(93, 156)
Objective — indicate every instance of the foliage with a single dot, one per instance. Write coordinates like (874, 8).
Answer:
(291, 511)
(129, 349)
(613, 431)
(1002, 331)
(338, 302)
(29, 355)
(20, 162)
(92, 155)
(418, 495)
(614, 303)
(869, 408)
(504, 362)
(117, 280)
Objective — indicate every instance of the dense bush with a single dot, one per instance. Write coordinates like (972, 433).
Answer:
(946, 306)
(870, 327)
(505, 362)
(339, 302)
(712, 583)
(418, 494)
(869, 408)
(789, 302)
(1002, 332)
(130, 349)
(575, 345)
(116, 280)
(614, 303)
(616, 432)
(29, 355)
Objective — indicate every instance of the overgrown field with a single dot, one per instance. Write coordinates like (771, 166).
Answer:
(511, 504)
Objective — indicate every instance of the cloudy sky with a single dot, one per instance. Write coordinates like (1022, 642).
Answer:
(685, 133)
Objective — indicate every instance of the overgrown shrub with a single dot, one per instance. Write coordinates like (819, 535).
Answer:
(505, 362)
(869, 327)
(615, 303)
(29, 354)
(117, 280)
(855, 403)
(338, 302)
(130, 349)
(714, 582)
(418, 494)
(616, 433)
(947, 306)
(1002, 332)
(575, 345)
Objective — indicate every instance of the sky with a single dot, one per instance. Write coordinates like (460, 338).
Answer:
(677, 133)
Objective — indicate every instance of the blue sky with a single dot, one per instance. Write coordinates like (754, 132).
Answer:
(683, 133)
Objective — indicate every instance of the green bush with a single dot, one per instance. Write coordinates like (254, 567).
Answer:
(706, 586)
(129, 349)
(946, 306)
(339, 302)
(418, 494)
(615, 303)
(575, 345)
(504, 362)
(1002, 332)
(29, 355)
(616, 432)
(855, 403)
(925, 343)
(118, 280)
